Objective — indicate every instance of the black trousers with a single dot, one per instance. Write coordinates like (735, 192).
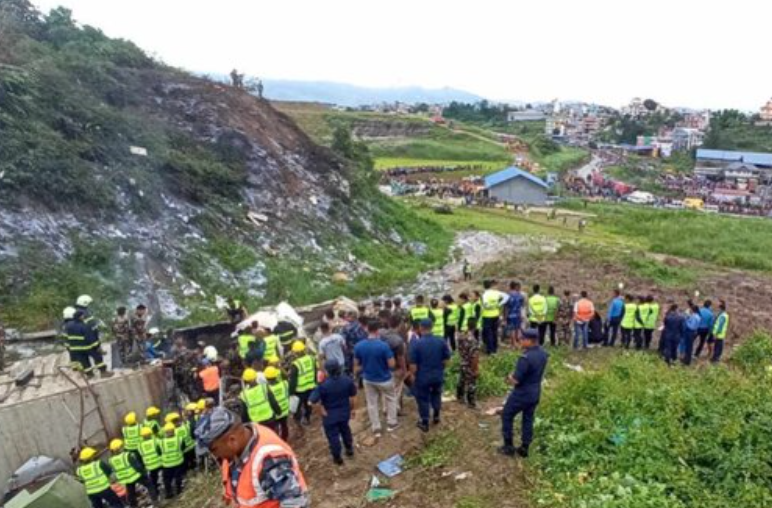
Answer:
(155, 477)
(281, 426)
(627, 337)
(337, 432)
(304, 409)
(612, 331)
(551, 328)
(638, 338)
(490, 331)
(450, 337)
(542, 329)
(703, 335)
(670, 349)
(106, 497)
(517, 404)
(648, 334)
(131, 490)
(173, 481)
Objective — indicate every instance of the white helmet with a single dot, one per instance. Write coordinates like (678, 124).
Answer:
(84, 300)
(68, 313)
(154, 331)
(210, 353)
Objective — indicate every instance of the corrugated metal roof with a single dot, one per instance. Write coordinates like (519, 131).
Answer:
(763, 159)
(508, 174)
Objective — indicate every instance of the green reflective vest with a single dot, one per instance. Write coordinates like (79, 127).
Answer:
(171, 451)
(124, 471)
(468, 314)
(478, 312)
(93, 477)
(186, 435)
(650, 320)
(306, 374)
(643, 315)
(152, 425)
(721, 326)
(537, 309)
(552, 308)
(131, 437)
(491, 301)
(628, 321)
(271, 346)
(455, 314)
(438, 329)
(244, 340)
(148, 450)
(280, 390)
(419, 313)
(256, 400)
(287, 338)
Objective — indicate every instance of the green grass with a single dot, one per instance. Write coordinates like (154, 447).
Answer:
(567, 158)
(437, 453)
(440, 145)
(384, 163)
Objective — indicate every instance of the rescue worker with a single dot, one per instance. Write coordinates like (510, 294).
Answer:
(514, 313)
(419, 312)
(628, 321)
(565, 317)
(616, 311)
(130, 471)
(279, 388)
(451, 318)
(720, 329)
(477, 306)
(95, 476)
(287, 333)
(337, 397)
(492, 302)
(68, 314)
(236, 310)
(210, 379)
(245, 338)
(584, 312)
(152, 416)
(469, 367)
(258, 403)
(673, 325)
(651, 317)
(259, 470)
(640, 313)
(689, 332)
(150, 453)
(537, 312)
(553, 302)
(706, 328)
(130, 431)
(524, 398)
(84, 347)
(188, 427)
(139, 324)
(302, 381)
(121, 332)
(466, 317)
(273, 348)
(438, 318)
(172, 460)
(82, 304)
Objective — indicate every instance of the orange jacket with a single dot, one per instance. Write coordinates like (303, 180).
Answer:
(584, 310)
(210, 376)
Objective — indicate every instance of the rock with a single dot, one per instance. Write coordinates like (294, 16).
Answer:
(340, 278)
(418, 248)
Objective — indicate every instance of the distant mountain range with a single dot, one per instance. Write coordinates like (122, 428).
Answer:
(351, 95)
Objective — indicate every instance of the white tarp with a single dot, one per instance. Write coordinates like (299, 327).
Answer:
(269, 317)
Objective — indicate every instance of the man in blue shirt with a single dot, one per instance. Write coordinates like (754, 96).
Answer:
(705, 329)
(672, 330)
(429, 356)
(616, 310)
(374, 361)
(337, 396)
(525, 396)
(514, 311)
(353, 333)
(691, 325)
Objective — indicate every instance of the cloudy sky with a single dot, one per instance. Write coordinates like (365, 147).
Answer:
(714, 53)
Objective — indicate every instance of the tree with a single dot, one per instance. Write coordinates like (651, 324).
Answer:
(650, 104)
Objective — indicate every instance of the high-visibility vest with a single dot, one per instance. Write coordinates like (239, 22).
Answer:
(628, 321)
(271, 346)
(584, 310)
(186, 435)
(256, 400)
(721, 326)
(148, 450)
(640, 319)
(419, 313)
(468, 314)
(210, 378)
(244, 341)
(247, 490)
(455, 314)
(152, 425)
(280, 391)
(171, 451)
(306, 374)
(438, 329)
(537, 308)
(491, 301)
(478, 313)
(124, 471)
(131, 437)
(650, 319)
(552, 308)
(93, 477)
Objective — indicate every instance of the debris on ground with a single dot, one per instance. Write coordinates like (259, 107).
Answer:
(494, 411)
(375, 495)
(392, 466)
(575, 368)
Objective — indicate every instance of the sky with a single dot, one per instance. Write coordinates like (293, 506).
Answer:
(707, 54)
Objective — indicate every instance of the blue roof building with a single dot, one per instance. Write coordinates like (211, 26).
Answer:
(513, 185)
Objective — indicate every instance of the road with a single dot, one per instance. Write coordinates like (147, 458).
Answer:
(589, 168)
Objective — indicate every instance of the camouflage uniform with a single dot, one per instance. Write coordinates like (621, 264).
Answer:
(121, 330)
(564, 316)
(139, 327)
(469, 352)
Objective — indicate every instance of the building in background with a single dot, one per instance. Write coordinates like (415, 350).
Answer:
(518, 187)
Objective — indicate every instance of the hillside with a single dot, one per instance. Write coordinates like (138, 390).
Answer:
(135, 182)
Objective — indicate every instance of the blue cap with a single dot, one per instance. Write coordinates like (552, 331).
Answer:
(426, 323)
(531, 333)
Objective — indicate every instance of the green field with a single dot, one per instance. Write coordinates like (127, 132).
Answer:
(567, 158)
(396, 162)
(441, 144)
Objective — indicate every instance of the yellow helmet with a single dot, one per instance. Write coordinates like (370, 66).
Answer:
(131, 418)
(145, 432)
(169, 427)
(249, 376)
(298, 347)
(87, 453)
(272, 373)
(201, 404)
(116, 445)
(152, 411)
(191, 406)
(171, 417)
(272, 360)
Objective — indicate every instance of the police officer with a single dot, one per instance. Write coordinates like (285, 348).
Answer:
(524, 397)
(337, 396)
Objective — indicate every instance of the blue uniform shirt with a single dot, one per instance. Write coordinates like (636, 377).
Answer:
(693, 322)
(515, 306)
(429, 354)
(616, 308)
(334, 394)
(706, 319)
(373, 355)
(529, 372)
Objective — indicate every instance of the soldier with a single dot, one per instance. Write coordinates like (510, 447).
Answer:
(139, 324)
(565, 315)
(469, 352)
(121, 330)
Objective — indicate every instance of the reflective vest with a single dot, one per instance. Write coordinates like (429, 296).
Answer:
(256, 400)
(210, 378)
(131, 437)
(468, 314)
(641, 317)
(491, 301)
(244, 340)
(287, 338)
(93, 477)
(280, 391)
(306, 374)
(186, 436)
(148, 450)
(438, 329)
(124, 471)
(721, 326)
(537, 308)
(552, 308)
(478, 313)
(271, 346)
(628, 321)
(419, 313)
(651, 317)
(152, 425)
(455, 314)
(245, 490)
(171, 451)
(584, 311)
